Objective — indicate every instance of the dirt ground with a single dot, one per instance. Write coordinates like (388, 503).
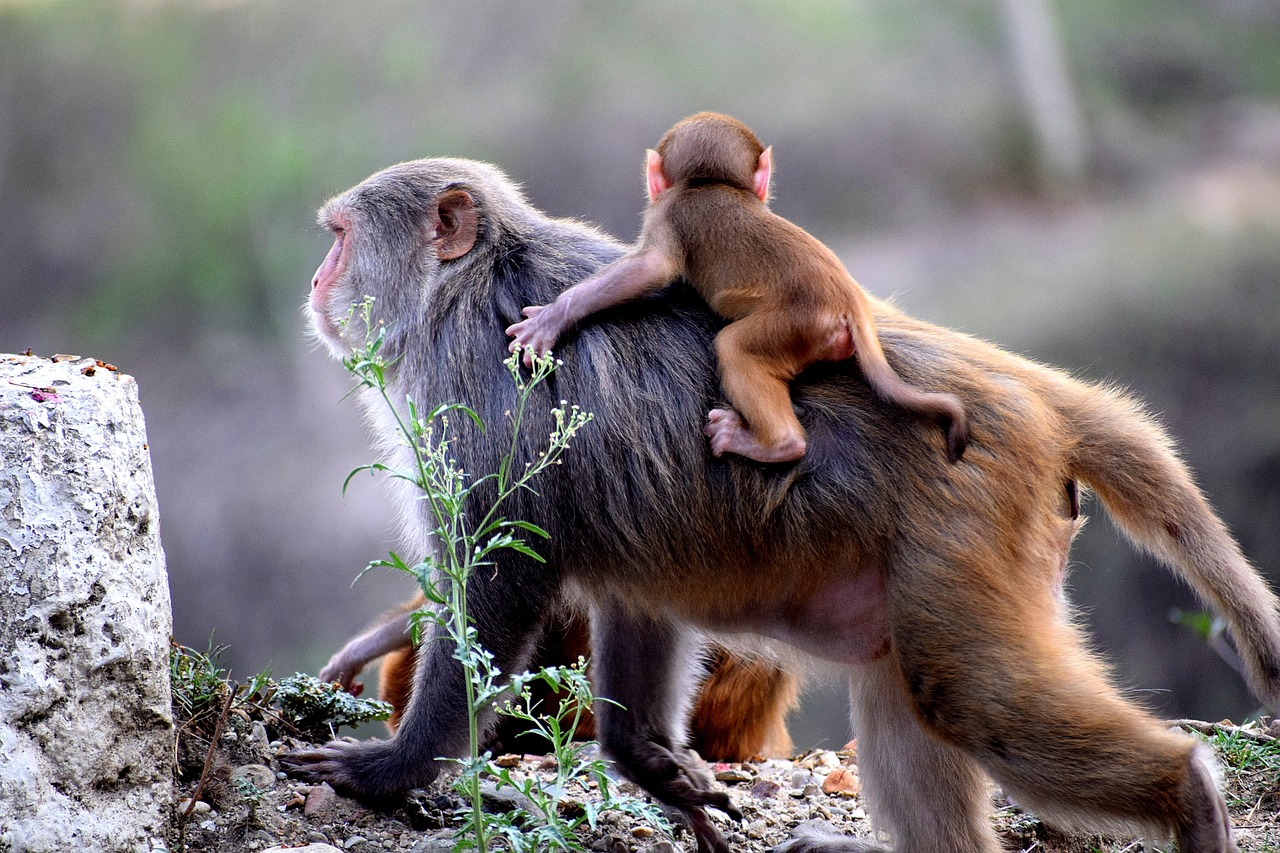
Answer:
(246, 804)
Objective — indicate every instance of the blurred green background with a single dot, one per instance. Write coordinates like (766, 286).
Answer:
(1092, 183)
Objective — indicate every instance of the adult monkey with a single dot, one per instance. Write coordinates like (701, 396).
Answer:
(936, 585)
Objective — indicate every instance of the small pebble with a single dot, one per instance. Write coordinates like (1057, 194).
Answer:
(765, 789)
(320, 801)
(663, 846)
(201, 807)
(733, 774)
(258, 775)
(842, 781)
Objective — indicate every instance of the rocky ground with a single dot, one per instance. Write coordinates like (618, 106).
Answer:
(246, 804)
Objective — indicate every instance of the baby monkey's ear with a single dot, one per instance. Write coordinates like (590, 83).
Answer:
(658, 183)
(764, 170)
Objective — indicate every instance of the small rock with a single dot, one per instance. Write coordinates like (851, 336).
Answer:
(259, 839)
(433, 845)
(504, 800)
(308, 848)
(842, 781)
(507, 760)
(321, 801)
(258, 737)
(610, 844)
(765, 789)
(201, 807)
(353, 841)
(733, 774)
(663, 846)
(258, 775)
(643, 832)
(800, 778)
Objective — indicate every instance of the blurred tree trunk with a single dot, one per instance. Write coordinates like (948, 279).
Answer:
(1048, 92)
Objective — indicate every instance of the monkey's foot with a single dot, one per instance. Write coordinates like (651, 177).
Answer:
(371, 771)
(729, 434)
(677, 778)
(807, 838)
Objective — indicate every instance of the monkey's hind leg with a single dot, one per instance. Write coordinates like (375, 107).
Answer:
(924, 794)
(1019, 692)
(755, 381)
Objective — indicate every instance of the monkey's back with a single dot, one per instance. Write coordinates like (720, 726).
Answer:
(639, 507)
(743, 258)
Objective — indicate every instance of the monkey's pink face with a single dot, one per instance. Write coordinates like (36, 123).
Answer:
(327, 304)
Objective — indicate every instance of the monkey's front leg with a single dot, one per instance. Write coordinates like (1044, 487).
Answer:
(646, 666)
(507, 610)
(377, 771)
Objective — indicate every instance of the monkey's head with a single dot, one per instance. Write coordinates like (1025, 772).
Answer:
(393, 235)
(714, 148)
(710, 147)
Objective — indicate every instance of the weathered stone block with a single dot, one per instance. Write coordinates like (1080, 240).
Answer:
(86, 731)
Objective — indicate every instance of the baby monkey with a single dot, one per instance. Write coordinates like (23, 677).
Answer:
(788, 299)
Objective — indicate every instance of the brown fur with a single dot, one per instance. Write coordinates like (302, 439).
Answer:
(790, 301)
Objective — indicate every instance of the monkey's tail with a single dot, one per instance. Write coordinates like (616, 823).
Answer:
(1130, 462)
(892, 388)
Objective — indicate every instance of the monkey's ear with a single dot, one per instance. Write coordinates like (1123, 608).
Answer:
(455, 222)
(764, 169)
(658, 183)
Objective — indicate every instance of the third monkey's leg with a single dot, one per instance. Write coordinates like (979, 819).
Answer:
(755, 382)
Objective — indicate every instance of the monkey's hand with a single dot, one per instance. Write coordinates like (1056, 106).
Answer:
(372, 771)
(677, 778)
(344, 672)
(536, 335)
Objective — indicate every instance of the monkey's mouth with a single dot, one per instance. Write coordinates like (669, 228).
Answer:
(326, 328)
